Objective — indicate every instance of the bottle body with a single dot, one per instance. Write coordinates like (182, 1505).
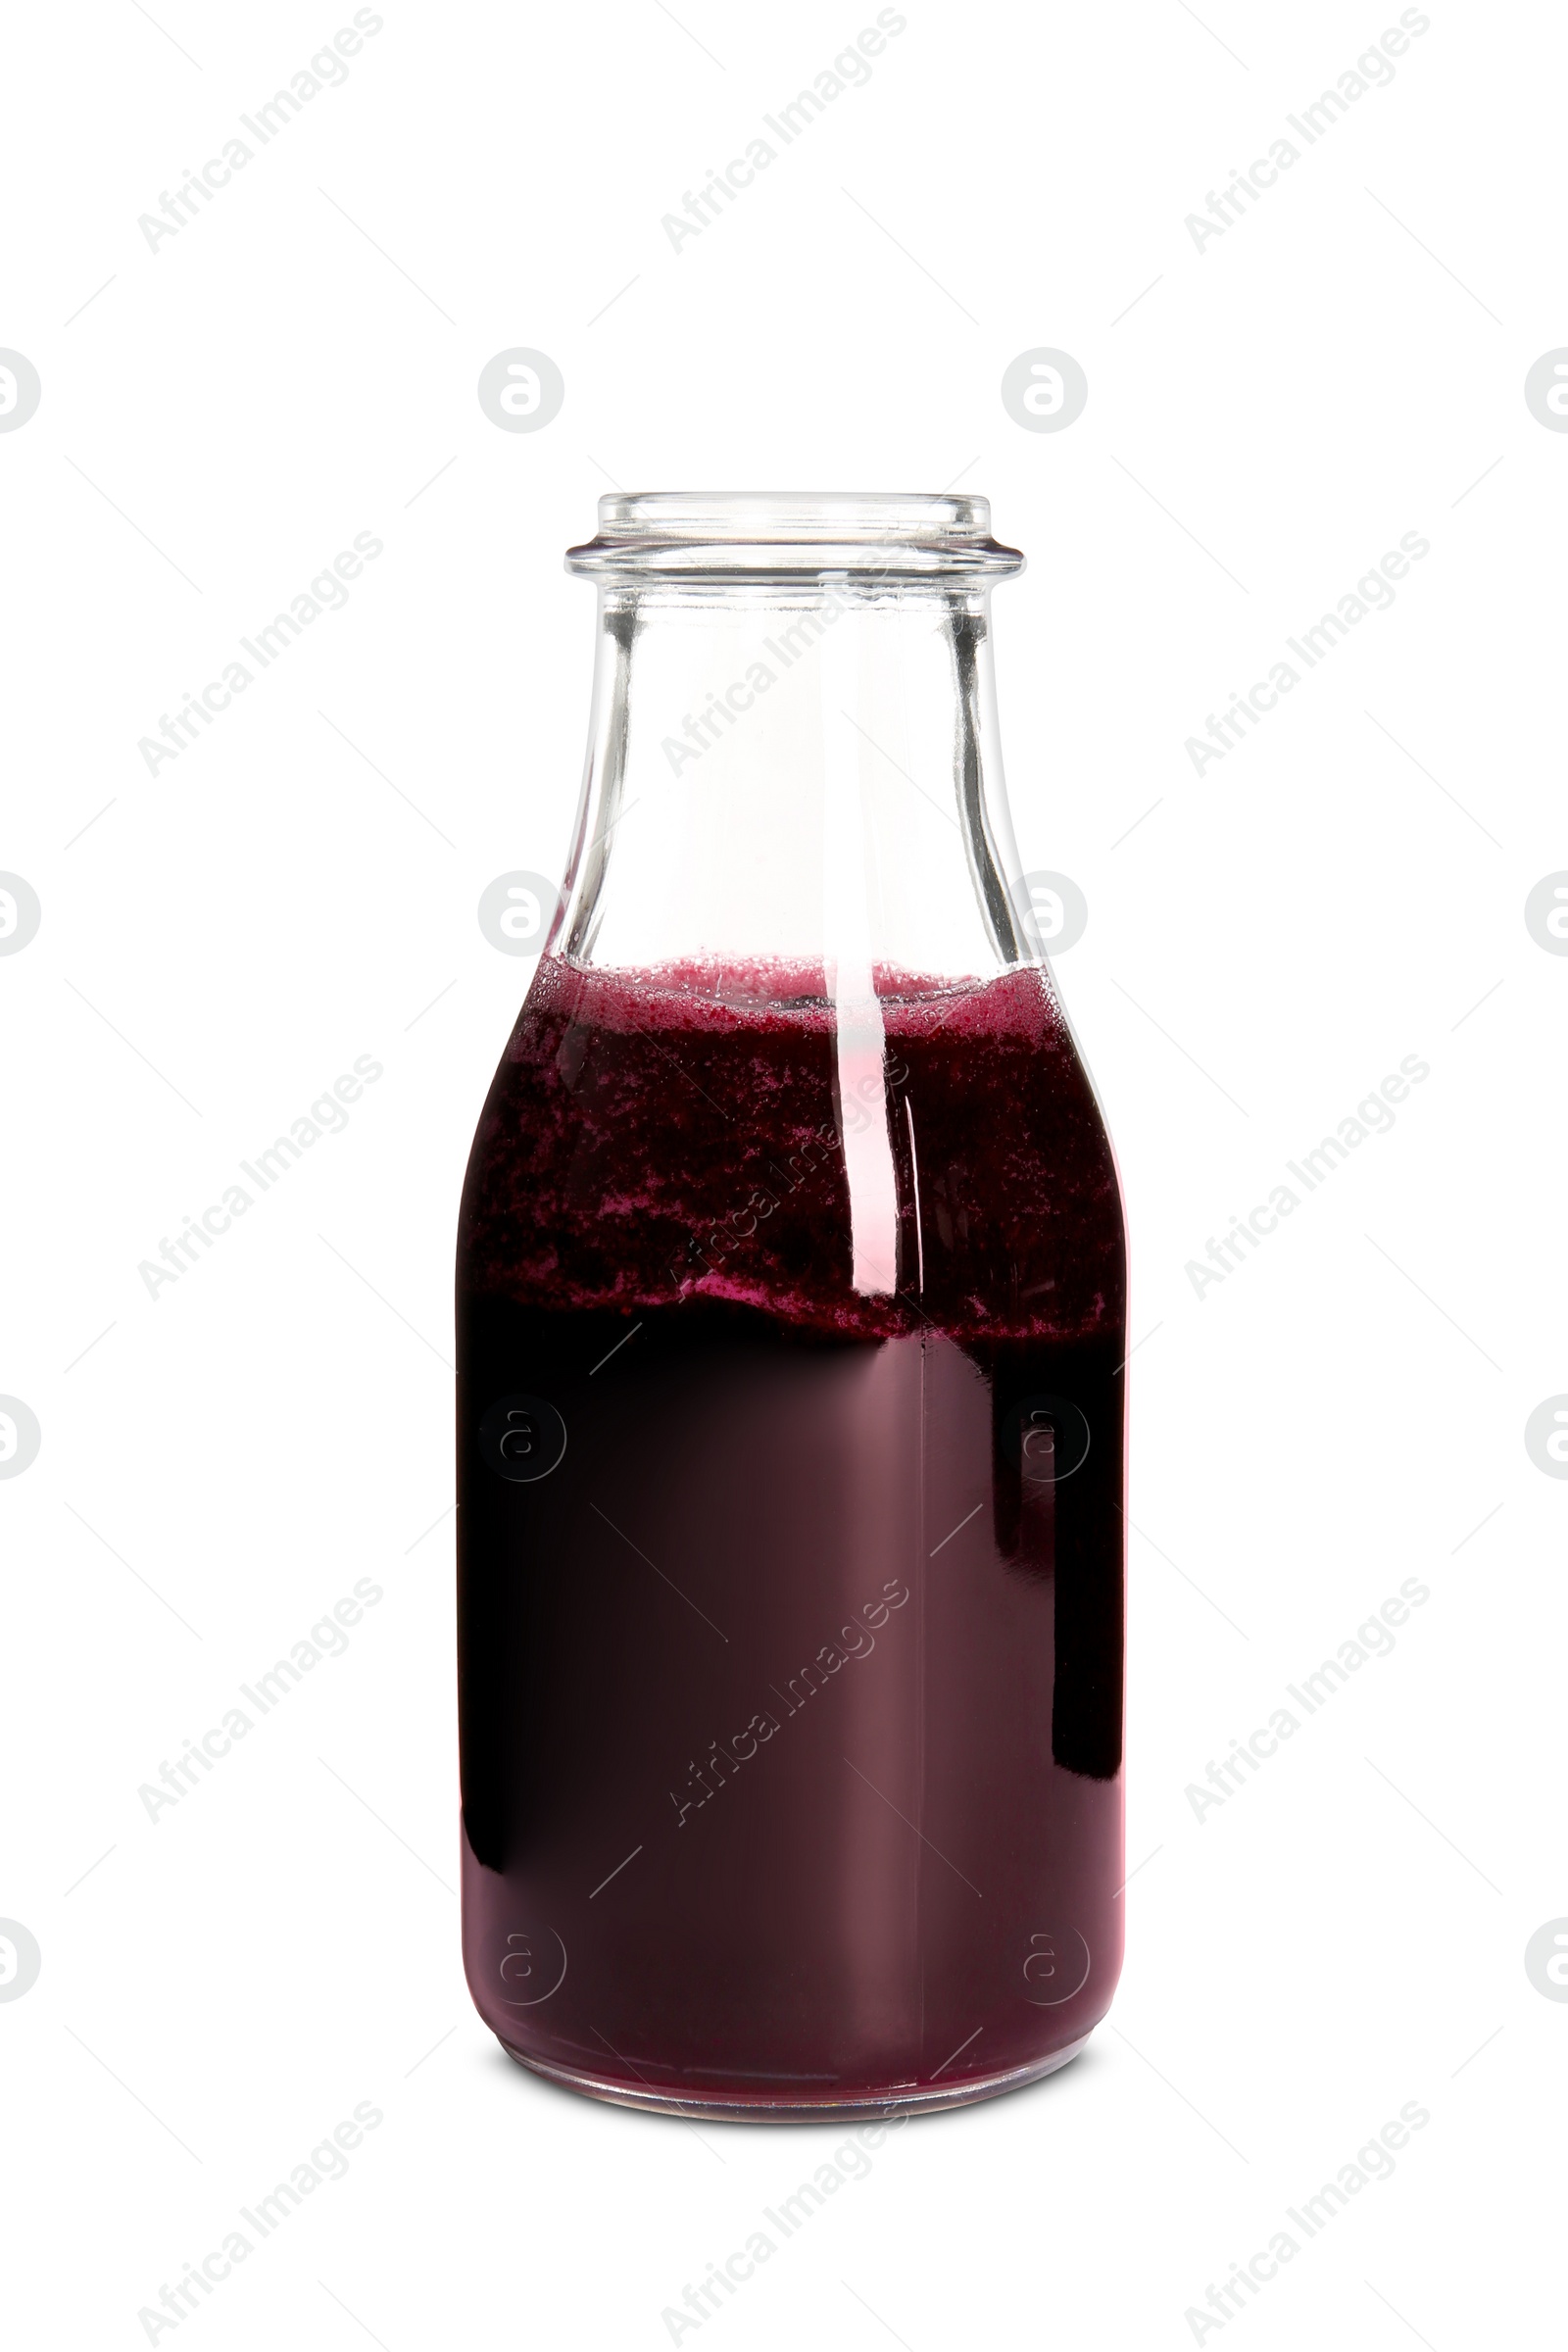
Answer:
(791, 1310)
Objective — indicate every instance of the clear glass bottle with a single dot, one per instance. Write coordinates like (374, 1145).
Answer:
(791, 1312)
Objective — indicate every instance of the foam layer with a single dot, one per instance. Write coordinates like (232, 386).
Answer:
(676, 1134)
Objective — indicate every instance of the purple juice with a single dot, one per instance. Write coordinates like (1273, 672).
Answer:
(790, 1613)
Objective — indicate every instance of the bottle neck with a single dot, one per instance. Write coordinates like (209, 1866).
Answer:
(793, 786)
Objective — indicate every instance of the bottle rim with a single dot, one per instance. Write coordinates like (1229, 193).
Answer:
(771, 534)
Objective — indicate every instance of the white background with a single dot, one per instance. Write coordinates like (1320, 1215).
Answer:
(1343, 365)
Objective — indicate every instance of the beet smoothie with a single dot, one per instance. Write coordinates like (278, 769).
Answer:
(789, 1596)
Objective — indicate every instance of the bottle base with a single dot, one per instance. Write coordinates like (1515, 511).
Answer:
(745, 2107)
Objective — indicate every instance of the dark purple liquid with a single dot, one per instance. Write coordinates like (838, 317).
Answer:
(791, 1692)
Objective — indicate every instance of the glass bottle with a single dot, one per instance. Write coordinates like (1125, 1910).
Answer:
(791, 1327)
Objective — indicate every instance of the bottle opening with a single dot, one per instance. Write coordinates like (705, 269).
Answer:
(767, 534)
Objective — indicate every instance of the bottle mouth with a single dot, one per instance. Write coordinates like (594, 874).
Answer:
(785, 534)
